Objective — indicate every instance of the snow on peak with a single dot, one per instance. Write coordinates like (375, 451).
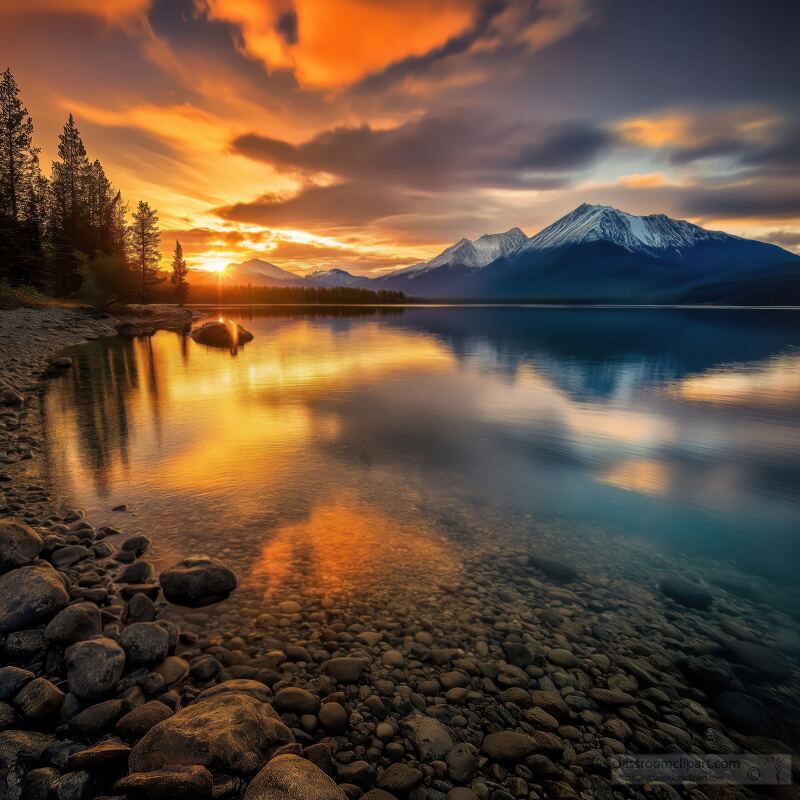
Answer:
(592, 223)
(475, 253)
(333, 277)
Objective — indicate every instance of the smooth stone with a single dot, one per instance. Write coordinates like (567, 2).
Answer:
(297, 701)
(67, 556)
(241, 686)
(29, 595)
(228, 732)
(221, 334)
(562, 658)
(38, 700)
(138, 572)
(191, 782)
(102, 754)
(138, 544)
(12, 679)
(96, 719)
(19, 544)
(197, 580)
(94, 667)
(75, 623)
(138, 721)
(462, 763)
(399, 778)
(289, 777)
(172, 669)
(508, 745)
(430, 737)
(333, 718)
(144, 643)
(344, 669)
(611, 697)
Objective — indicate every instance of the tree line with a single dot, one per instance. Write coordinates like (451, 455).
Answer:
(208, 294)
(69, 235)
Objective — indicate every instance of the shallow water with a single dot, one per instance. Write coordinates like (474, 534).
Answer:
(367, 445)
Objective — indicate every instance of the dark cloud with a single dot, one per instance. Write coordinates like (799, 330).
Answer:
(787, 239)
(287, 26)
(440, 151)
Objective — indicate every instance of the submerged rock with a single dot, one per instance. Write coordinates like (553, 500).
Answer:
(221, 334)
(198, 580)
(229, 732)
(685, 592)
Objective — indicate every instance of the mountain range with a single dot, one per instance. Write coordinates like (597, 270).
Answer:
(594, 254)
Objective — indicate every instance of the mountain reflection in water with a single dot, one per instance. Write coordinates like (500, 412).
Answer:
(682, 427)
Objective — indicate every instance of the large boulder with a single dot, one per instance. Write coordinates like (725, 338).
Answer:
(94, 667)
(29, 595)
(229, 732)
(19, 544)
(198, 580)
(289, 777)
(221, 334)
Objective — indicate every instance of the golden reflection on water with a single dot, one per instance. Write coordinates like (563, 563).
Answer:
(343, 544)
(776, 383)
(643, 475)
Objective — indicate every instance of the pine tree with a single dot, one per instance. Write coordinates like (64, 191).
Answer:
(18, 173)
(145, 248)
(69, 215)
(180, 271)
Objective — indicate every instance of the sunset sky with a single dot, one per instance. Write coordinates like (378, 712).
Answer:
(370, 134)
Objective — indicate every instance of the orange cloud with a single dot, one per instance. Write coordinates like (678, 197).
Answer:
(339, 42)
(110, 11)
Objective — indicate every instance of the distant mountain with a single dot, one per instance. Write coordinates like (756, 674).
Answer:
(600, 254)
(329, 278)
(262, 273)
(453, 267)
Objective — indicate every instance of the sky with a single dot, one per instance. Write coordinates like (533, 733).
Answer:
(370, 134)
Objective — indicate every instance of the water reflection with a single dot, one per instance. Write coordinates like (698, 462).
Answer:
(391, 429)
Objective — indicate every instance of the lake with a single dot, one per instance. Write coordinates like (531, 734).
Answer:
(365, 444)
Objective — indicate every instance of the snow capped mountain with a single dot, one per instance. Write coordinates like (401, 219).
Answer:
(329, 278)
(474, 254)
(452, 266)
(594, 223)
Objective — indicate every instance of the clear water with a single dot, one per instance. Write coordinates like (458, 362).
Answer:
(364, 441)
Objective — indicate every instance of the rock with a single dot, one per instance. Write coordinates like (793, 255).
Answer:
(137, 722)
(12, 679)
(18, 749)
(172, 783)
(430, 737)
(461, 793)
(64, 362)
(769, 663)
(104, 754)
(508, 746)
(333, 718)
(94, 667)
(289, 777)
(69, 555)
(743, 712)
(29, 595)
(198, 580)
(554, 569)
(297, 701)
(26, 646)
(241, 686)
(140, 608)
(10, 397)
(611, 697)
(73, 786)
(145, 643)
(562, 658)
(96, 719)
(228, 732)
(399, 778)
(345, 670)
(462, 763)
(172, 669)
(19, 544)
(74, 623)
(138, 572)
(685, 592)
(38, 701)
(221, 334)
(138, 545)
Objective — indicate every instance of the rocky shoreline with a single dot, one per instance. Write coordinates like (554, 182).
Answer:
(527, 676)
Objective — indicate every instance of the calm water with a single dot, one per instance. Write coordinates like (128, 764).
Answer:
(365, 439)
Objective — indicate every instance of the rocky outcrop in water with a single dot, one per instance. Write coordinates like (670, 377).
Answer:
(221, 334)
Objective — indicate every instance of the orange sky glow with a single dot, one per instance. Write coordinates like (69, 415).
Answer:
(370, 134)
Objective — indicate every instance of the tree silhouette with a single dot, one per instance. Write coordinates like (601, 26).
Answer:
(145, 248)
(180, 271)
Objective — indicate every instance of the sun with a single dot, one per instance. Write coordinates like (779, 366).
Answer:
(213, 264)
